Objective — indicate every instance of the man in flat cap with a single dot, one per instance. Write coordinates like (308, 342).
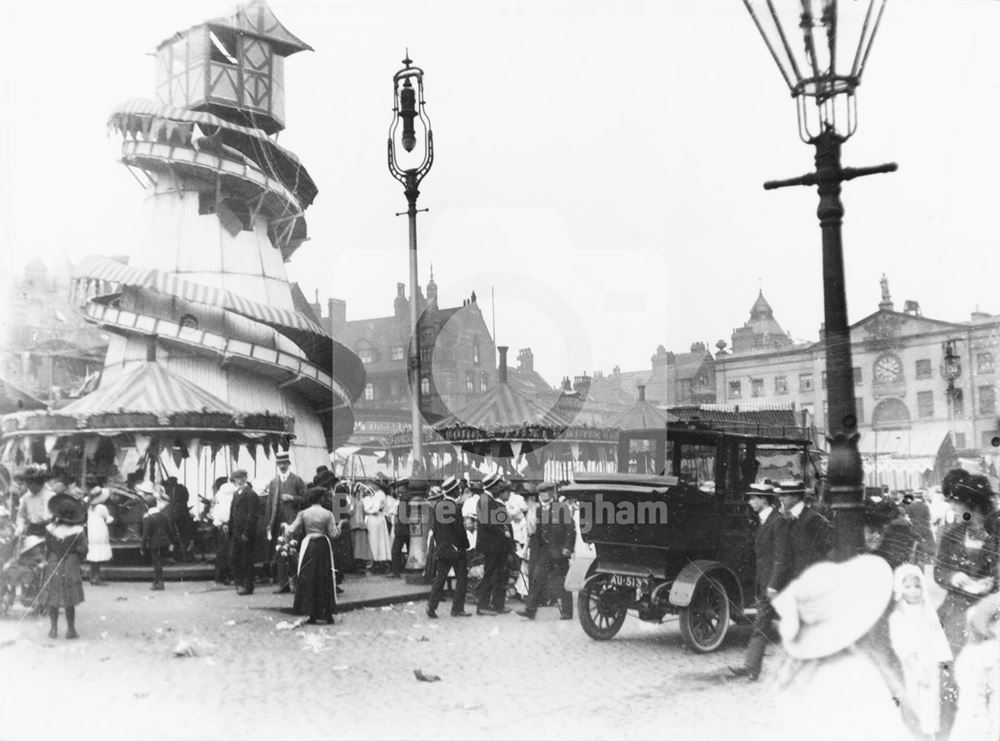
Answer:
(243, 531)
(550, 546)
(495, 540)
(286, 495)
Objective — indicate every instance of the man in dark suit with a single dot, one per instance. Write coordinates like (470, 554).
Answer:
(770, 550)
(401, 527)
(243, 531)
(450, 544)
(552, 536)
(286, 495)
(495, 540)
(809, 533)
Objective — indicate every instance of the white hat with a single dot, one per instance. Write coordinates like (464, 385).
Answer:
(831, 605)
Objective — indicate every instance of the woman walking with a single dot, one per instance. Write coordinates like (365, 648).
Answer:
(315, 592)
(378, 531)
(98, 539)
(66, 547)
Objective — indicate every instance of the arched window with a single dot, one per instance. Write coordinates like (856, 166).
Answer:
(889, 412)
(425, 386)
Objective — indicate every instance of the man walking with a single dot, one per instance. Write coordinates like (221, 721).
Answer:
(809, 533)
(243, 531)
(495, 540)
(450, 544)
(286, 495)
(549, 546)
(771, 571)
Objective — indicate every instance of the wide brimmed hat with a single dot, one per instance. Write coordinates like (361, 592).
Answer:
(495, 482)
(145, 487)
(30, 541)
(36, 472)
(449, 486)
(832, 605)
(975, 492)
(99, 494)
(67, 509)
(435, 492)
(951, 479)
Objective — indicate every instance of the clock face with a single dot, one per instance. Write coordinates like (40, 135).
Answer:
(888, 369)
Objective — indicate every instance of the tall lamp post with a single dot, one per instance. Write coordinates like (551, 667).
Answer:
(409, 167)
(821, 47)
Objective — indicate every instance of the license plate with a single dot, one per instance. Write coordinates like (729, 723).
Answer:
(632, 582)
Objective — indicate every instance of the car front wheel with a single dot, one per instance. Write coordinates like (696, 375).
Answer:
(705, 620)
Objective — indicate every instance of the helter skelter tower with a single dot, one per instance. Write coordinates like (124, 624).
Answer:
(204, 295)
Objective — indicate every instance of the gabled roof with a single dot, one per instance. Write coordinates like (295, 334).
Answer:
(257, 18)
(642, 415)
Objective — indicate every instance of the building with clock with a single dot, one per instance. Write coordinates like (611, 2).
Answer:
(925, 388)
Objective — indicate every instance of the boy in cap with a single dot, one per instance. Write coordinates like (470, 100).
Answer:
(243, 531)
(158, 533)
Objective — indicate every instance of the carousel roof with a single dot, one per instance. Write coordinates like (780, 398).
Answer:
(505, 406)
(642, 415)
(150, 399)
(149, 388)
(13, 399)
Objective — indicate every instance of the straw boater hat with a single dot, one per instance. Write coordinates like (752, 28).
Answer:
(795, 488)
(145, 487)
(832, 605)
(435, 492)
(67, 509)
(449, 487)
(282, 457)
(766, 491)
(495, 482)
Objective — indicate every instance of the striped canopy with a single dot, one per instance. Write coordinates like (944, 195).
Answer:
(504, 406)
(113, 271)
(643, 415)
(148, 388)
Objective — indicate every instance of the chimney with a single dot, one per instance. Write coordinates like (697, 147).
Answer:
(581, 384)
(401, 308)
(337, 312)
(502, 366)
(642, 392)
(525, 360)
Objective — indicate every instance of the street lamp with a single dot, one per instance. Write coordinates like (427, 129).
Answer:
(409, 167)
(821, 48)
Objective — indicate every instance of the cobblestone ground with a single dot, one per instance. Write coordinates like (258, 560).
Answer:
(249, 677)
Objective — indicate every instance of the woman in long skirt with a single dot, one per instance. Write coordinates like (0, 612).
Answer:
(315, 583)
(359, 531)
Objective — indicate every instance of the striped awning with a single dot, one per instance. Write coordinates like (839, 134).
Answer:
(114, 271)
(137, 116)
(503, 406)
(148, 388)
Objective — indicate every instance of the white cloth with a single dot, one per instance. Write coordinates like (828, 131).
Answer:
(764, 514)
(806, 706)
(378, 531)
(98, 538)
(34, 508)
(977, 672)
(470, 506)
(221, 503)
(918, 640)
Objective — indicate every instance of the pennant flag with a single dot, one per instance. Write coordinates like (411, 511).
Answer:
(142, 444)
(216, 447)
(574, 449)
(194, 448)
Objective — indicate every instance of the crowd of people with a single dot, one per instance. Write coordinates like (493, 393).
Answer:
(868, 631)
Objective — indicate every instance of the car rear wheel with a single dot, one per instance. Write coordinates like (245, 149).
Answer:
(705, 620)
(600, 608)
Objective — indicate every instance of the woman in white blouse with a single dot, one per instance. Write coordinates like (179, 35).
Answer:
(378, 531)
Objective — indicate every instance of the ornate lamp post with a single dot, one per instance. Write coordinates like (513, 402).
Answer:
(409, 167)
(821, 48)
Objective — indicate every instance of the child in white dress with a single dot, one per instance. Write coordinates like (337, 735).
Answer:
(98, 538)
(919, 641)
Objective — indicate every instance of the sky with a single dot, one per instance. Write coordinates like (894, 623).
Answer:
(598, 166)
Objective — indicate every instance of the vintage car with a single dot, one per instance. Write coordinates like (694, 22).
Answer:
(672, 531)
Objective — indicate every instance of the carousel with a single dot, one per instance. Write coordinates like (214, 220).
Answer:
(505, 429)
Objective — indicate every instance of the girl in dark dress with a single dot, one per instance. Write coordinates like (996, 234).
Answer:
(315, 591)
(66, 547)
